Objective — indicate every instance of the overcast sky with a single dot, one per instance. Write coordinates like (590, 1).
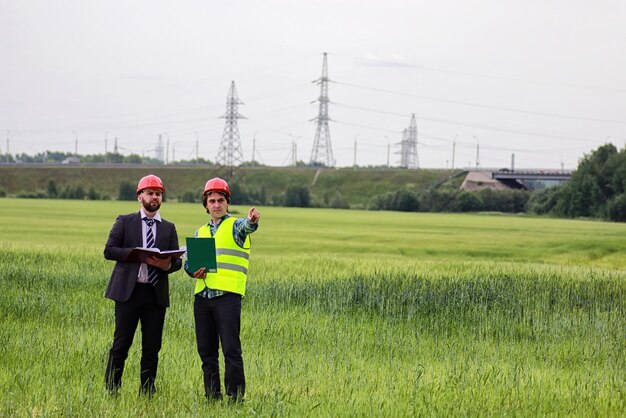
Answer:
(544, 79)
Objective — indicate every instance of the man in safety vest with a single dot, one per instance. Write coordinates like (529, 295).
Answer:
(217, 305)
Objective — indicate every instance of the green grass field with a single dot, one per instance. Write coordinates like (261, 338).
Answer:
(348, 313)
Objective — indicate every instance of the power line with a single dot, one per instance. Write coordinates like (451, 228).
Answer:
(279, 92)
(484, 106)
(471, 125)
(367, 127)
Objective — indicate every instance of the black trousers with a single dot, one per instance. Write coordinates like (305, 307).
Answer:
(218, 320)
(141, 307)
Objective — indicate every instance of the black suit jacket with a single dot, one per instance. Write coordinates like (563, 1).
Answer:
(125, 235)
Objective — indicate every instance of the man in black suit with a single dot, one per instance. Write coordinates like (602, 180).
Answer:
(140, 290)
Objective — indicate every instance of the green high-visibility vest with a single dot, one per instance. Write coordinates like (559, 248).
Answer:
(232, 260)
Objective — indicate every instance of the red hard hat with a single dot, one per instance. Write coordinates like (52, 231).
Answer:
(217, 184)
(150, 182)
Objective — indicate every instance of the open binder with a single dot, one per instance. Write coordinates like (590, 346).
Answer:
(139, 254)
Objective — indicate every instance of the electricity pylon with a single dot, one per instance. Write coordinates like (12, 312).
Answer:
(322, 152)
(230, 153)
(408, 146)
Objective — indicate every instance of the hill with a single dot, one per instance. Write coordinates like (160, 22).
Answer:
(357, 186)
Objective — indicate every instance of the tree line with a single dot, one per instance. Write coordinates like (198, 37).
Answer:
(597, 189)
(59, 157)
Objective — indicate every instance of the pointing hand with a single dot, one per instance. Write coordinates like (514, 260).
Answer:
(254, 215)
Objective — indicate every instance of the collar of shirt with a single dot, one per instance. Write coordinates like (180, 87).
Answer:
(156, 217)
(221, 219)
(214, 226)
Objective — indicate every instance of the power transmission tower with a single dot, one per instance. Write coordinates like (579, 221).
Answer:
(75, 144)
(106, 147)
(322, 152)
(408, 146)
(453, 150)
(158, 151)
(402, 151)
(230, 153)
(477, 153)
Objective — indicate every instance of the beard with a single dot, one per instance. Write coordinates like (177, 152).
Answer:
(151, 206)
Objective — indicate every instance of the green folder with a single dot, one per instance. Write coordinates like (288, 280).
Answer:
(201, 253)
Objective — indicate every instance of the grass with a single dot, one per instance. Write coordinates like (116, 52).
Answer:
(348, 313)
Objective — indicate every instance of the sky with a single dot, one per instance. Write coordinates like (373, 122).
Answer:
(541, 80)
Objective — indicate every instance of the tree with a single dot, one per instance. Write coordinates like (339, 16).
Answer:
(598, 178)
(470, 202)
(405, 201)
(79, 193)
(509, 201)
(297, 196)
(262, 197)
(544, 201)
(52, 189)
(189, 197)
(338, 201)
(616, 208)
(126, 191)
(92, 194)
(239, 196)
(115, 158)
(133, 159)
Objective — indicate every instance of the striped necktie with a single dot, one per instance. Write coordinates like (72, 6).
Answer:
(153, 272)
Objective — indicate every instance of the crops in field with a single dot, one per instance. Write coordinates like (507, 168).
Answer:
(348, 313)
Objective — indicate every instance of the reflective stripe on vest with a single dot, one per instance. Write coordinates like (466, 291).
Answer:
(232, 260)
(238, 253)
